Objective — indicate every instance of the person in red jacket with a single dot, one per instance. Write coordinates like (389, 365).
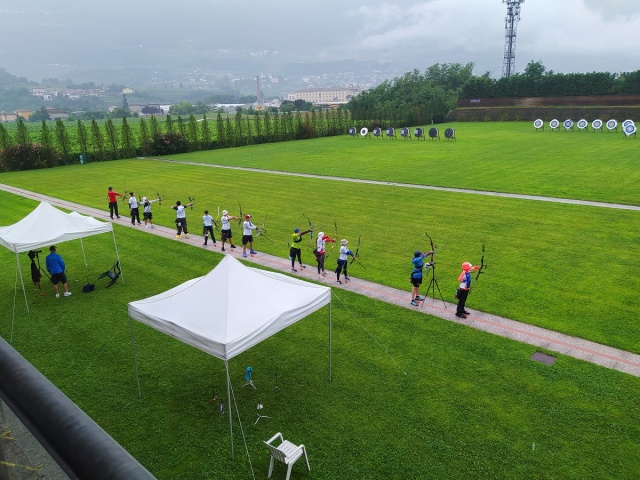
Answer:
(113, 202)
(463, 290)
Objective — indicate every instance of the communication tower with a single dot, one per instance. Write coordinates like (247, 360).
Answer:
(510, 28)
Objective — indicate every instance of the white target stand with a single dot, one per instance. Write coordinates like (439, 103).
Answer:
(353, 131)
(405, 133)
(418, 134)
(364, 133)
(568, 125)
(391, 133)
(630, 130)
(554, 125)
(377, 132)
(538, 124)
(612, 125)
(596, 125)
(583, 125)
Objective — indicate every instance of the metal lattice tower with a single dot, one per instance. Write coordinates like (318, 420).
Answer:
(510, 29)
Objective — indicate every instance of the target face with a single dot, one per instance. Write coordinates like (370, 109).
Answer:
(627, 122)
(582, 124)
(538, 123)
(364, 131)
(352, 130)
(611, 124)
(449, 133)
(630, 129)
(568, 124)
(554, 123)
(376, 132)
(390, 132)
(418, 132)
(433, 132)
(404, 132)
(596, 124)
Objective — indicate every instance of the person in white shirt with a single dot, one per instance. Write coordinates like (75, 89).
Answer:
(321, 252)
(133, 208)
(342, 261)
(225, 230)
(181, 218)
(147, 216)
(208, 221)
(247, 236)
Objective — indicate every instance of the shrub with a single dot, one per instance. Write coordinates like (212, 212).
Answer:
(28, 157)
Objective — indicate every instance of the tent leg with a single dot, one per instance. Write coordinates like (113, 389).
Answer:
(24, 290)
(330, 375)
(83, 254)
(135, 358)
(226, 366)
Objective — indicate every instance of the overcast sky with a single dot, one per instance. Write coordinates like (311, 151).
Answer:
(566, 35)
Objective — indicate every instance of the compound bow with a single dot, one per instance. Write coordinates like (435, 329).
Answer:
(263, 230)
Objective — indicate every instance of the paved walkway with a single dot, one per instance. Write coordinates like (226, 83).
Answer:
(557, 342)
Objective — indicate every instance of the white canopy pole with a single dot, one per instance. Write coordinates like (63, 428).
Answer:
(135, 357)
(330, 378)
(22, 281)
(226, 366)
(83, 254)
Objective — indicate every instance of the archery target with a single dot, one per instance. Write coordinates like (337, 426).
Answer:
(364, 131)
(554, 123)
(582, 124)
(627, 122)
(404, 132)
(630, 129)
(418, 132)
(433, 132)
(568, 124)
(612, 124)
(391, 132)
(352, 130)
(538, 123)
(596, 124)
(376, 132)
(449, 133)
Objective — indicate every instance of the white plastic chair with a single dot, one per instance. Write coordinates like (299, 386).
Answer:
(286, 452)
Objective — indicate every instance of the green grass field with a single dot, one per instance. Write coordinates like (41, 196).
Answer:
(470, 405)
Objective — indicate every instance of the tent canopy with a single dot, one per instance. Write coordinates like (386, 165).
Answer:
(46, 225)
(230, 309)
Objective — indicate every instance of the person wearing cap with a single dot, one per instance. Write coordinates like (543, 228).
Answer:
(463, 290)
(342, 261)
(416, 275)
(147, 216)
(294, 248)
(56, 267)
(247, 235)
(207, 229)
(133, 209)
(320, 251)
(113, 202)
(181, 218)
(225, 230)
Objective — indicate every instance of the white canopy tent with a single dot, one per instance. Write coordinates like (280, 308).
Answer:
(46, 226)
(234, 325)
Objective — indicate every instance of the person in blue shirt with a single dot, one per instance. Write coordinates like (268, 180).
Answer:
(416, 275)
(56, 267)
(465, 286)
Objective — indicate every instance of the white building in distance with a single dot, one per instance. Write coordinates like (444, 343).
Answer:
(325, 96)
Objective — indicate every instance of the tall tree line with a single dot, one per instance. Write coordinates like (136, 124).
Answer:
(22, 149)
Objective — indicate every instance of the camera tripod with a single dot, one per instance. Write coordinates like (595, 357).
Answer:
(433, 284)
(37, 270)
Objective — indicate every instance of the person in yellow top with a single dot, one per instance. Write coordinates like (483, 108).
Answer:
(294, 248)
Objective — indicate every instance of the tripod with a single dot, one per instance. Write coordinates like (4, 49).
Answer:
(260, 407)
(433, 284)
(36, 270)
